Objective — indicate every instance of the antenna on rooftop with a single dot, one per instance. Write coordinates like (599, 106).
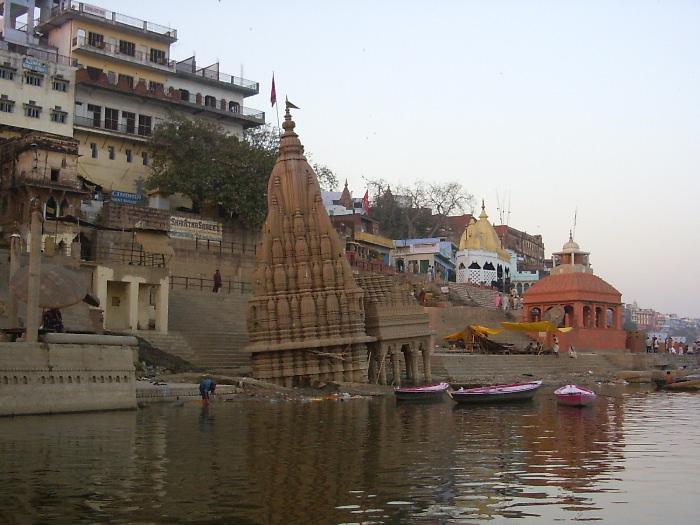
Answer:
(503, 215)
(573, 232)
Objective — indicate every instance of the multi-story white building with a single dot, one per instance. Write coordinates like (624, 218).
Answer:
(102, 81)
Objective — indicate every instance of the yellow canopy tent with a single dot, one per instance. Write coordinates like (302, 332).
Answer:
(541, 327)
(476, 338)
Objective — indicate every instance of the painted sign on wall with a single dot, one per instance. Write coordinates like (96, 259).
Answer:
(186, 228)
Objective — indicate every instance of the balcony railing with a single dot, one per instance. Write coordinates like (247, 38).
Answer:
(188, 66)
(127, 129)
(105, 14)
(100, 46)
(47, 55)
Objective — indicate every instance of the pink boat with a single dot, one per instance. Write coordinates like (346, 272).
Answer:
(422, 393)
(574, 396)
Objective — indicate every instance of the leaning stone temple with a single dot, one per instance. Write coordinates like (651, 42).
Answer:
(306, 318)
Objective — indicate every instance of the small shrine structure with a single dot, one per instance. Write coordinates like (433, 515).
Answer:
(572, 296)
(481, 258)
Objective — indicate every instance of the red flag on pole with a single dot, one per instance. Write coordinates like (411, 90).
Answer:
(365, 202)
(273, 93)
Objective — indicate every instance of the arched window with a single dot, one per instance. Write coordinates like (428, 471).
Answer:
(234, 107)
(210, 101)
(64, 209)
(535, 315)
(587, 317)
(610, 318)
(599, 321)
(51, 209)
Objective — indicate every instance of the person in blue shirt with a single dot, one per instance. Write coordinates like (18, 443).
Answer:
(207, 387)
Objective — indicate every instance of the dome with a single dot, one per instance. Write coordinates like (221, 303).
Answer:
(480, 235)
(568, 286)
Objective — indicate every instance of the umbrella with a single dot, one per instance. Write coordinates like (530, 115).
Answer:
(58, 288)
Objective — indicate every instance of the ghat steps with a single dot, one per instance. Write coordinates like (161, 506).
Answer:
(206, 329)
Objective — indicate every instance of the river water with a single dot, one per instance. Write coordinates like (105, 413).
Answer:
(633, 458)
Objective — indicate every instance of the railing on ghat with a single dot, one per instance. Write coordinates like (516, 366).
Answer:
(180, 282)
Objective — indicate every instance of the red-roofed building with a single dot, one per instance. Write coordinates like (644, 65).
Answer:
(578, 299)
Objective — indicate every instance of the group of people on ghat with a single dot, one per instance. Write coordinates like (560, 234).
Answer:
(654, 345)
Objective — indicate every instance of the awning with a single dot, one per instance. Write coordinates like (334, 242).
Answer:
(541, 326)
(155, 243)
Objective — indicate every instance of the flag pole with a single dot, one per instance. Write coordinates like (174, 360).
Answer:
(273, 100)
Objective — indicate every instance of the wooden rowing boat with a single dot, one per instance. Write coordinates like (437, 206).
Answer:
(574, 396)
(422, 393)
(497, 393)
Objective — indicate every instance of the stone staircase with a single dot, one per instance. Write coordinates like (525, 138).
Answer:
(206, 329)
(468, 294)
(481, 369)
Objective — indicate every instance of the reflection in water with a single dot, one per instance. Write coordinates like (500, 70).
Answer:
(357, 461)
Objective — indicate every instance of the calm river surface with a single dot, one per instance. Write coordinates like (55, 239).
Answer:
(633, 458)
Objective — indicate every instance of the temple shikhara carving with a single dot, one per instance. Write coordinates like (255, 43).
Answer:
(306, 318)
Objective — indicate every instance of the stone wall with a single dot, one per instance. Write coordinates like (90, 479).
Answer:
(38, 378)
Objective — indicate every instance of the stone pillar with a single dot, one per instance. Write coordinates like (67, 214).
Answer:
(15, 251)
(414, 363)
(33, 313)
(427, 368)
(396, 367)
(132, 291)
(162, 294)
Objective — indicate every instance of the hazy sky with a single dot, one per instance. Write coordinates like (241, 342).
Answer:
(553, 109)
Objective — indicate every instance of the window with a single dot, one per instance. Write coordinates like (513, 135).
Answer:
(129, 121)
(210, 101)
(7, 73)
(59, 116)
(144, 125)
(144, 158)
(128, 79)
(184, 95)
(127, 48)
(31, 110)
(112, 155)
(58, 84)
(96, 114)
(129, 156)
(158, 56)
(55, 174)
(93, 149)
(7, 106)
(111, 118)
(111, 77)
(152, 86)
(96, 40)
(33, 79)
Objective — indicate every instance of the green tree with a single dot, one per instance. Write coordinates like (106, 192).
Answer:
(197, 158)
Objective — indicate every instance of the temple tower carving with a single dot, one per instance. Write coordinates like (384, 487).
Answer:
(306, 316)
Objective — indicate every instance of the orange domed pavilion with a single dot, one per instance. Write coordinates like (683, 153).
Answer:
(573, 297)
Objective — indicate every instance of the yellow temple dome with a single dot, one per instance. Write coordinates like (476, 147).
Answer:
(481, 235)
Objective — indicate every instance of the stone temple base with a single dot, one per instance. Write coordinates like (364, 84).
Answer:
(303, 366)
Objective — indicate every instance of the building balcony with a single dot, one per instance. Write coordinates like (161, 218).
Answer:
(71, 10)
(102, 48)
(193, 103)
(43, 54)
(113, 127)
(211, 73)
